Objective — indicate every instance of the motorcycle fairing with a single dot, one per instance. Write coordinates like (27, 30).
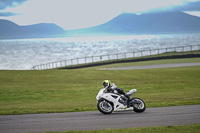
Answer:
(114, 98)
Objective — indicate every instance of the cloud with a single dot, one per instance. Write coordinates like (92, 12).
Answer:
(10, 3)
(7, 14)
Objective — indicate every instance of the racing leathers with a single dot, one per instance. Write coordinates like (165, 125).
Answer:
(112, 88)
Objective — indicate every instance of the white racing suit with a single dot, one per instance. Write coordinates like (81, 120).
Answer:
(114, 88)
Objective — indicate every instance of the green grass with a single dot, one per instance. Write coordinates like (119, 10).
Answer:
(48, 91)
(165, 129)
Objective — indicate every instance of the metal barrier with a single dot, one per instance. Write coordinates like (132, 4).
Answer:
(117, 56)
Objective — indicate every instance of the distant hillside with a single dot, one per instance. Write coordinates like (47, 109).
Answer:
(10, 30)
(152, 23)
(124, 24)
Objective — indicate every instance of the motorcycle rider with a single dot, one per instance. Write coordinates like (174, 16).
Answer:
(111, 87)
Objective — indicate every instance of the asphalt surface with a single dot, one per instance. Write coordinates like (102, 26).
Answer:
(162, 116)
(155, 66)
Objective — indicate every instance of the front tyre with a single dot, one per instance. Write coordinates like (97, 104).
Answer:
(105, 107)
(138, 105)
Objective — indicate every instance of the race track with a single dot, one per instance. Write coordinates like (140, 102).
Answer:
(162, 116)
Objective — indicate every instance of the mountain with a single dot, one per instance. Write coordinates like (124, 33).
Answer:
(151, 23)
(124, 24)
(10, 30)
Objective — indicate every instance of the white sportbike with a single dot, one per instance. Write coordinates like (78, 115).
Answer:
(109, 102)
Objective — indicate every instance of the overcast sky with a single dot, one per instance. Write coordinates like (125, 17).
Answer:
(74, 14)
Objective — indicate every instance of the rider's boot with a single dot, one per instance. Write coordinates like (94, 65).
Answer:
(128, 100)
(128, 104)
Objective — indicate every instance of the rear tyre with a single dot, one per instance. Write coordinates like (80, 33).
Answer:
(105, 107)
(138, 105)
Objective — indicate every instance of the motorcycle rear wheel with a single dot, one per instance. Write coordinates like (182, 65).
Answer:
(105, 107)
(138, 105)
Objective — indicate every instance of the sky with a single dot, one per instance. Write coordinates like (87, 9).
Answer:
(76, 14)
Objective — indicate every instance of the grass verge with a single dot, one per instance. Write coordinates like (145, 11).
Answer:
(49, 91)
(164, 129)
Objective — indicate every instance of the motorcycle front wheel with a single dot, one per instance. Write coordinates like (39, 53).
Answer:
(105, 107)
(138, 105)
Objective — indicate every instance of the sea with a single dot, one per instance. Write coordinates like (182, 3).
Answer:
(23, 54)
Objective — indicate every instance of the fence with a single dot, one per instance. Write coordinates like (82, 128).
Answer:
(117, 56)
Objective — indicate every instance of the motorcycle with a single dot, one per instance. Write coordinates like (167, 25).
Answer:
(109, 102)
